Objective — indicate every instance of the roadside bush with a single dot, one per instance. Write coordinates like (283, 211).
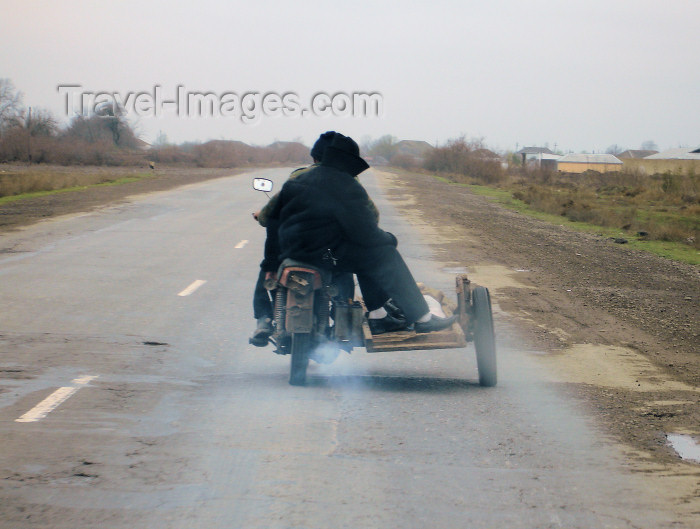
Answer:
(171, 154)
(229, 154)
(405, 161)
(467, 161)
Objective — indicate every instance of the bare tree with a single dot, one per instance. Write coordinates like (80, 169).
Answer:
(649, 145)
(384, 147)
(10, 105)
(40, 122)
(107, 124)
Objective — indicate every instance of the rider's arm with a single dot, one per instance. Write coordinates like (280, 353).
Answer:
(264, 213)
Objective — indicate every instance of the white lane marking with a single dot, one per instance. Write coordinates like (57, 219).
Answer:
(54, 400)
(194, 286)
(241, 244)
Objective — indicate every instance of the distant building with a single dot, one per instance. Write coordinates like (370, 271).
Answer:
(684, 153)
(549, 161)
(417, 148)
(635, 154)
(580, 163)
(414, 151)
(674, 161)
(142, 145)
(533, 153)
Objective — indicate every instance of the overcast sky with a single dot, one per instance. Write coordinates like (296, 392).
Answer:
(581, 75)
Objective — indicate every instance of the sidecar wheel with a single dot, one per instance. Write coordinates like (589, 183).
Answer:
(301, 344)
(484, 337)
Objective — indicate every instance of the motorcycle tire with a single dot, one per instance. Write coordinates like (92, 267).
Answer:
(301, 345)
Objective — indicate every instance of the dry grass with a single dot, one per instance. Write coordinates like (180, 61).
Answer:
(22, 179)
(658, 207)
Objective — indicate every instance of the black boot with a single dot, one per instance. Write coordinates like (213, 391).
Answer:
(262, 333)
(386, 324)
(393, 310)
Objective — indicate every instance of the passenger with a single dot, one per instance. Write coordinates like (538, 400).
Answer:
(323, 219)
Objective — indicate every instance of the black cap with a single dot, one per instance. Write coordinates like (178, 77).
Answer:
(323, 141)
(344, 154)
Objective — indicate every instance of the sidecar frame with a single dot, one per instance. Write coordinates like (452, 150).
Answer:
(474, 324)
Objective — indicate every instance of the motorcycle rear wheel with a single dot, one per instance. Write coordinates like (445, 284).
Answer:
(301, 345)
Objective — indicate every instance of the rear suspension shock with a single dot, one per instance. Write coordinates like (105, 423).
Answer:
(280, 309)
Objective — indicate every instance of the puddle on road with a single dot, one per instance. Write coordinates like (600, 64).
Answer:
(685, 446)
(610, 366)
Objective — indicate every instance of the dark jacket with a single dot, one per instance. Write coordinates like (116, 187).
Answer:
(265, 210)
(326, 209)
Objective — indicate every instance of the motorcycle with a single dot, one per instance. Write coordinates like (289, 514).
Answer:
(315, 317)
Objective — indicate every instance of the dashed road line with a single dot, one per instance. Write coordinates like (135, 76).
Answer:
(194, 286)
(241, 244)
(54, 400)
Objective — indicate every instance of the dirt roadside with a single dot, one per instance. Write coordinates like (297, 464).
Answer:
(26, 211)
(620, 328)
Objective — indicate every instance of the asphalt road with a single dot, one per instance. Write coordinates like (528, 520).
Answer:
(172, 420)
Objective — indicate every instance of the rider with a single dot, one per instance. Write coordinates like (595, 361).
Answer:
(262, 304)
(324, 220)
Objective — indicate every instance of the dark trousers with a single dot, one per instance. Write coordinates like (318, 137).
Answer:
(262, 303)
(383, 274)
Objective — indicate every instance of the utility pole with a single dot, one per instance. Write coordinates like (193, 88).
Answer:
(29, 135)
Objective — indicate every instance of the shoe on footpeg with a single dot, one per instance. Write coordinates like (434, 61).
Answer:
(435, 323)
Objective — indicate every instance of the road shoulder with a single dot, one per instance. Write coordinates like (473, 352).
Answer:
(616, 328)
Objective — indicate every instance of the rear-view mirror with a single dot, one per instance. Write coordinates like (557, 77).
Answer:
(262, 184)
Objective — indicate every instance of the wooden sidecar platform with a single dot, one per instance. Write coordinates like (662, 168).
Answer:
(410, 341)
(452, 338)
(474, 324)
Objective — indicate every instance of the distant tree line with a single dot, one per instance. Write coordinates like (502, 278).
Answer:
(457, 157)
(225, 153)
(33, 135)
